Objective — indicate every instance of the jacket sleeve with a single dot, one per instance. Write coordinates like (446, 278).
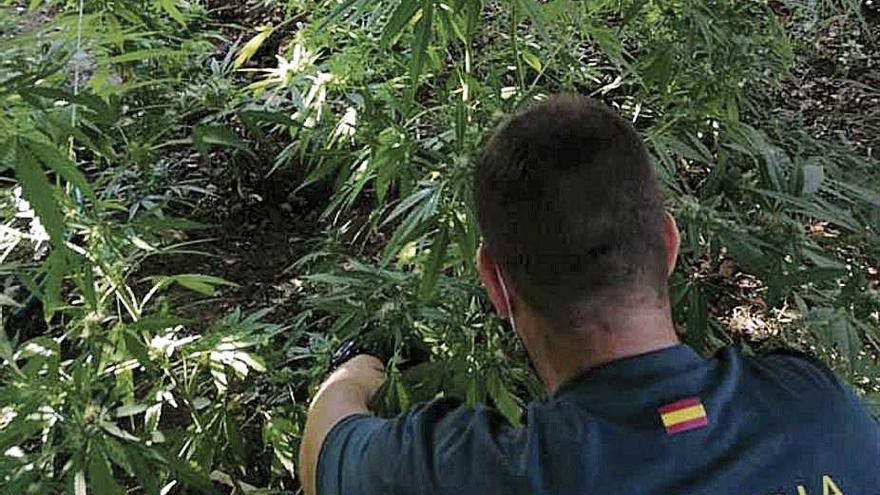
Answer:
(439, 447)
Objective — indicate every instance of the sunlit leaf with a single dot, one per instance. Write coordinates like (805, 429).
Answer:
(533, 60)
(115, 430)
(206, 136)
(250, 48)
(502, 397)
(277, 433)
(79, 483)
(37, 191)
(203, 284)
(63, 166)
(170, 6)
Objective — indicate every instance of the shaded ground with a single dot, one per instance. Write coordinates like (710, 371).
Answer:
(259, 225)
(259, 228)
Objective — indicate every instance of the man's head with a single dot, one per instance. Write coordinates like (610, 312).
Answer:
(571, 212)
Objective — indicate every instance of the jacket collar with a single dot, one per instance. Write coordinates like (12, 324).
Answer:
(634, 370)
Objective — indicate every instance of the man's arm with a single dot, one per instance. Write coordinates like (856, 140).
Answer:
(347, 391)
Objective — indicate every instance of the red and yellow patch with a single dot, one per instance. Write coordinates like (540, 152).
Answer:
(684, 415)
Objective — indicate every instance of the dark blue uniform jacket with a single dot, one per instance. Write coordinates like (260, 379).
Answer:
(664, 423)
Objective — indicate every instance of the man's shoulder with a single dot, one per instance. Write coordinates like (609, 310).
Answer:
(787, 358)
(780, 364)
(791, 375)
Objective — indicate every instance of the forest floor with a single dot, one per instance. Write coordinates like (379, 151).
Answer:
(260, 224)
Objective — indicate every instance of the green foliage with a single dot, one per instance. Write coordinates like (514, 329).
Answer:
(113, 389)
(385, 103)
(685, 73)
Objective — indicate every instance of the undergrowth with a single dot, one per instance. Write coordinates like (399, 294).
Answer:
(108, 382)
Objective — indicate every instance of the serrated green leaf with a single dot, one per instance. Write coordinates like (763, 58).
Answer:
(845, 336)
(408, 203)
(337, 13)
(421, 42)
(532, 10)
(170, 7)
(400, 391)
(203, 284)
(137, 348)
(817, 207)
(533, 60)
(250, 48)
(100, 478)
(39, 193)
(233, 435)
(188, 475)
(435, 264)
(146, 476)
(206, 136)
(66, 130)
(56, 266)
(103, 112)
(502, 397)
(277, 434)
(50, 157)
(84, 277)
(402, 15)
(776, 162)
(157, 322)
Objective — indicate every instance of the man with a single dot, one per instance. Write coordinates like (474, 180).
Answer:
(577, 251)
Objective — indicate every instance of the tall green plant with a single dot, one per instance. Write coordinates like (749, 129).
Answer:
(105, 387)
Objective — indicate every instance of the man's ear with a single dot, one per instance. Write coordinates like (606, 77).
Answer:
(488, 271)
(672, 239)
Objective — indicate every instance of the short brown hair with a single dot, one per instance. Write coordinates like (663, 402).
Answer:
(569, 205)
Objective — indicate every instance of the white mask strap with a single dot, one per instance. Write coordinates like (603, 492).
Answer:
(506, 299)
(512, 320)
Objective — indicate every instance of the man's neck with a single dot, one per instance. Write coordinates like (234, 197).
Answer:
(601, 338)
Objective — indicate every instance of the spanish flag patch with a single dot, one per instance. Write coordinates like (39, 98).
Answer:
(684, 415)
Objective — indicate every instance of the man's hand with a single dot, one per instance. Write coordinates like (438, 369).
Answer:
(363, 372)
(346, 391)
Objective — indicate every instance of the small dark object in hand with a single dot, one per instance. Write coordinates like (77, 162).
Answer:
(347, 350)
(367, 343)
(353, 346)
